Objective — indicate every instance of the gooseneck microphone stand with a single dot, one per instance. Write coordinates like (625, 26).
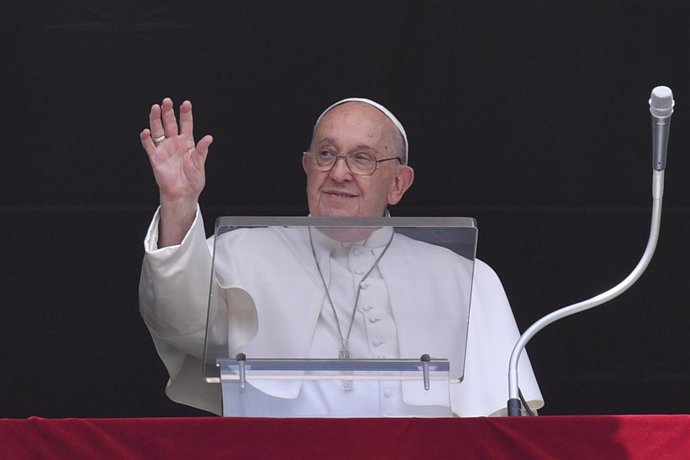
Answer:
(661, 107)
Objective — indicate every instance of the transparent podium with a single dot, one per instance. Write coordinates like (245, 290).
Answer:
(339, 317)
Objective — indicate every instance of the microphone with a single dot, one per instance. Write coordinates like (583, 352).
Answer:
(661, 107)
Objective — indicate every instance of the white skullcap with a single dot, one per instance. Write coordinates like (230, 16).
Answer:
(383, 110)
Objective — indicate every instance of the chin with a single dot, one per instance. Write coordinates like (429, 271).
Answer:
(327, 208)
(343, 212)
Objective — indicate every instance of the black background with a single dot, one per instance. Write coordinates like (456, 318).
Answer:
(531, 117)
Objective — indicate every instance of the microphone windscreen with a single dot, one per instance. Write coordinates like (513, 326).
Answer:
(661, 101)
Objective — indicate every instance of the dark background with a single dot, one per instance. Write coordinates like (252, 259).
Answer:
(531, 117)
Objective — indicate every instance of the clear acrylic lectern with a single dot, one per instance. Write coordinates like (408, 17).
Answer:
(339, 317)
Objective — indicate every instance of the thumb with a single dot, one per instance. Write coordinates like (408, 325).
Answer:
(203, 145)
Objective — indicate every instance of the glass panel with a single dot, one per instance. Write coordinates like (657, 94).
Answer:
(328, 288)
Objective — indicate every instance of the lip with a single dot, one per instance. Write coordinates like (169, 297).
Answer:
(339, 194)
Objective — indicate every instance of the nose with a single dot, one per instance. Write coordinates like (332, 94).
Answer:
(340, 171)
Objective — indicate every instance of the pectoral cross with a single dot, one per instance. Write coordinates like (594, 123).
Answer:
(345, 385)
(344, 352)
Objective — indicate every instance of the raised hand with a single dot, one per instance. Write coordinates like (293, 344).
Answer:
(178, 166)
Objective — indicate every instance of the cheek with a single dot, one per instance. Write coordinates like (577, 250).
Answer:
(314, 182)
(378, 190)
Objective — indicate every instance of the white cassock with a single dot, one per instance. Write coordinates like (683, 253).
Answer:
(402, 311)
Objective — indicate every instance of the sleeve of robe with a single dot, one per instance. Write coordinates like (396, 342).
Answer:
(491, 337)
(173, 301)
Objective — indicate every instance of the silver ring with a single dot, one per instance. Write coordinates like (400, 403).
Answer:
(158, 140)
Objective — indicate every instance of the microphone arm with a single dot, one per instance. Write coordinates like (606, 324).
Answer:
(514, 404)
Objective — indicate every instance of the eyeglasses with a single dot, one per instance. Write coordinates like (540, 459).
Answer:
(359, 163)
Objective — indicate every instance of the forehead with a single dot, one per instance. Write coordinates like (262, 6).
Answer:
(354, 119)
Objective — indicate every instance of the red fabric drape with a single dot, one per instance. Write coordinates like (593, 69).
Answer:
(609, 437)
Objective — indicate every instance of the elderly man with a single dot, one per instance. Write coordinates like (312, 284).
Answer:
(372, 175)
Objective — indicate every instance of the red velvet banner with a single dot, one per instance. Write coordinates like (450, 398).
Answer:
(609, 437)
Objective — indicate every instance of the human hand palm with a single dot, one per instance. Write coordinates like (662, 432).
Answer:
(178, 167)
(177, 162)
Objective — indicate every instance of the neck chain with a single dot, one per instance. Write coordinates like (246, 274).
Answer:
(345, 350)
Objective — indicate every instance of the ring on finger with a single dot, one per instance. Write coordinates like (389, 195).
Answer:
(158, 140)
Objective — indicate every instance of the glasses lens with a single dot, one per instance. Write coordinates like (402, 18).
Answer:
(361, 163)
(323, 160)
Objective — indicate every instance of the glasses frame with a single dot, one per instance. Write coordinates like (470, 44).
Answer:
(345, 158)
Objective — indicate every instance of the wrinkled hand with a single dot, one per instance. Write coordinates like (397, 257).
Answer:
(178, 165)
(177, 162)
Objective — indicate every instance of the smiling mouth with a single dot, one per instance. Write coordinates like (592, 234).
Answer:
(338, 194)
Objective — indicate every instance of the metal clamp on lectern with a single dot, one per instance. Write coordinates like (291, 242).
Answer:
(241, 364)
(426, 359)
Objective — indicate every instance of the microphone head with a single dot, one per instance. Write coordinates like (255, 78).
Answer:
(661, 102)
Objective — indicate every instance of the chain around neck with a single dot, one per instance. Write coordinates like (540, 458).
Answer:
(344, 339)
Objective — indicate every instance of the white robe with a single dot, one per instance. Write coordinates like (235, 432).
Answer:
(174, 293)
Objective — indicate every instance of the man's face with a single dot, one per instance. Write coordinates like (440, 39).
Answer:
(355, 127)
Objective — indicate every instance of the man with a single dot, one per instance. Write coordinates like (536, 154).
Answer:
(356, 167)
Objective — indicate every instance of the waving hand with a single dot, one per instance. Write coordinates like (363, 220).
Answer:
(178, 166)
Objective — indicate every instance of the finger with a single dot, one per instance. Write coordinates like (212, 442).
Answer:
(147, 142)
(202, 147)
(186, 121)
(155, 123)
(168, 117)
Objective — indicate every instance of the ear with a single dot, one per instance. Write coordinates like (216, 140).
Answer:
(401, 182)
(305, 163)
